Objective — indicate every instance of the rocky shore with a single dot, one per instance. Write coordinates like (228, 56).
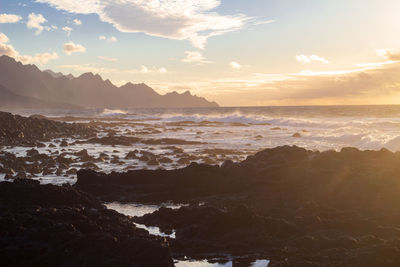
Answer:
(17, 130)
(290, 205)
(287, 204)
(48, 225)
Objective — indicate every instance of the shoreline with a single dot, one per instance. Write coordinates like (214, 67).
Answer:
(286, 205)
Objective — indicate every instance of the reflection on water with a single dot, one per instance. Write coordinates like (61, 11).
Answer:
(139, 210)
(205, 263)
(133, 209)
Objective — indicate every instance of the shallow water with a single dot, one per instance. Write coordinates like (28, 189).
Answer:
(205, 263)
(133, 209)
(139, 210)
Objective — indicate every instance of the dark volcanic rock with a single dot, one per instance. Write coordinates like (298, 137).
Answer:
(288, 204)
(46, 225)
(22, 131)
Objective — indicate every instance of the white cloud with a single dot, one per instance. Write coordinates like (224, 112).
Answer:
(71, 47)
(7, 49)
(67, 29)
(235, 65)
(193, 20)
(77, 22)
(39, 58)
(195, 57)
(309, 59)
(3, 38)
(107, 58)
(88, 68)
(145, 70)
(110, 39)
(9, 18)
(389, 54)
(35, 21)
(263, 22)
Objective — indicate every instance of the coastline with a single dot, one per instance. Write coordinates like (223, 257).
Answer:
(281, 206)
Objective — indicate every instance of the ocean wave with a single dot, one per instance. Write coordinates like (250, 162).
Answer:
(300, 122)
(112, 112)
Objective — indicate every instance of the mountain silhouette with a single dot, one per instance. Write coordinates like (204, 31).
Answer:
(10, 100)
(87, 90)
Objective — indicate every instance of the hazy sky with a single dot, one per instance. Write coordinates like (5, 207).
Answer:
(235, 52)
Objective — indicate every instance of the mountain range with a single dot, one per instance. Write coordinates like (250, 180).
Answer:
(26, 86)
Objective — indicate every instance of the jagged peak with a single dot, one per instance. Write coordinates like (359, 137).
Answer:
(90, 75)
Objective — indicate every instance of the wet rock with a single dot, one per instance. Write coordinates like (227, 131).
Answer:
(32, 152)
(64, 143)
(90, 165)
(48, 172)
(184, 161)
(153, 162)
(165, 160)
(116, 161)
(84, 156)
(46, 225)
(63, 160)
(71, 171)
(132, 155)
(103, 157)
(296, 135)
(40, 145)
(8, 176)
(286, 204)
(21, 175)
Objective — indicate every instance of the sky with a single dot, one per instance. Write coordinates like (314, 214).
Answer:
(234, 52)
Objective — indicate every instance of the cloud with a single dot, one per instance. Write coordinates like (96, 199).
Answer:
(389, 54)
(145, 70)
(71, 47)
(77, 22)
(107, 58)
(39, 58)
(88, 68)
(309, 59)
(235, 65)
(110, 39)
(263, 22)
(7, 49)
(195, 57)
(367, 83)
(193, 20)
(67, 29)
(9, 18)
(35, 21)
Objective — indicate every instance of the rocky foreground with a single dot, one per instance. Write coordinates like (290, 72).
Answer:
(47, 225)
(287, 204)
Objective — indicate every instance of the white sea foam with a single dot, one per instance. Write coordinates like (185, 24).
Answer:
(113, 112)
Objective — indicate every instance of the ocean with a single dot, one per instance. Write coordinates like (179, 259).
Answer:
(255, 128)
(225, 133)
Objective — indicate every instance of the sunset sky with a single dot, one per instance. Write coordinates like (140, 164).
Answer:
(234, 52)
